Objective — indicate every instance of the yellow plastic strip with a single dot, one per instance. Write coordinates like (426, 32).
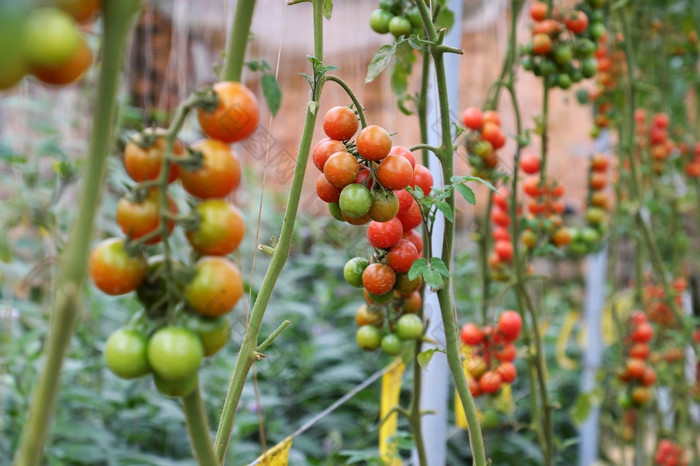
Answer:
(277, 455)
(391, 388)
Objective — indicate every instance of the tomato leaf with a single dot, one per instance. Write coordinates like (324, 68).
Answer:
(445, 19)
(380, 60)
(466, 192)
(439, 266)
(581, 408)
(327, 8)
(433, 279)
(272, 92)
(417, 268)
(446, 210)
(424, 357)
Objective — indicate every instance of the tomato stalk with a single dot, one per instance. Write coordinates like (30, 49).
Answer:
(232, 70)
(348, 91)
(198, 428)
(247, 354)
(447, 308)
(118, 16)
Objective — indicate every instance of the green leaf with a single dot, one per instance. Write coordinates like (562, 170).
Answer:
(417, 192)
(433, 279)
(417, 268)
(272, 92)
(445, 19)
(446, 210)
(380, 60)
(462, 179)
(466, 192)
(439, 266)
(327, 8)
(581, 408)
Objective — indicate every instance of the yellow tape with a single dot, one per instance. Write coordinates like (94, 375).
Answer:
(624, 301)
(391, 388)
(277, 455)
(567, 328)
(460, 416)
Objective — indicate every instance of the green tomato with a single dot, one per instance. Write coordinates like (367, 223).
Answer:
(179, 388)
(590, 235)
(379, 21)
(400, 26)
(334, 209)
(405, 285)
(385, 205)
(585, 48)
(491, 419)
(213, 333)
(595, 215)
(527, 63)
(564, 81)
(125, 353)
(355, 200)
(597, 30)
(576, 75)
(175, 353)
(409, 327)
(391, 344)
(353, 271)
(51, 37)
(381, 298)
(413, 15)
(548, 68)
(589, 67)
(563, 54)
(368, 337)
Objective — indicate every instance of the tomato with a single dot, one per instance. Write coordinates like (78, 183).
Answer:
(490, 382)
(144, 153)
(355, 201)
(409, 327)
(373, 143)
(598, 181)
(174, 353)
(215, 288)
(414, 237)
(509, 325)
(125, 353)
(661, 120)
(491, 116)
(383, 235)
(220, 230)
(365, 316)
(404, 285)
(483, 150)
(395, 172)
(379, 20)
(364, 176)
(214, 334)
(412, 303)
(528, 238)
(562, 56)
(378, 298)
(643, 333)
(341, 169)
(357, 220)
(532, 187)
(412, 217)
(69, 71)
(340, 123)
(405, 200)
(400, 26)
(353, 271)
(634, 368)
(385, 205)
(138, 219)
(326, 191)
(640, 395)
(577, 22)
(530, 163)
(541, 44)
(50, 37)
(538, 11)
(471, 334)
(179, 388)
(472, 118)
(81, 10)
(405, 153)
(561, 237)
(378, 279)
(402, 256)
(476, 366)
(368, 337)
(506, 353)
(501, 234)
(112, 270)
(391, 344)
(507, 371)
(236, 116)
(595, 215)
(491, 132)
(649, 377)
(474, 388)
(324, 149)
(504, 250)
(219, 174)
(422, 178)
(589, 67)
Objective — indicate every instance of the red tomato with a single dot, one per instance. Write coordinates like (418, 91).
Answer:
(532, 187)
(538, 11)
(378, 279)
(507, 371)
(501, 234)
(383, 235)
(600, 163)
(403, 152)
(423, 178)
(471, 334)
(577, 22)
(491, 116)
(326, 191)
(395, 172)
(324, 149)
(218, 176)
(215, 288)
(635, 368)
(68, 71)
(472, 118)
(143, 156)
(643, 333)
(500, 218)
(341, 169)
(373, 143)
(405, 200)
(402, 256)
(411, 218)
(414, 237)
(509, 325)
(236, 116)
(113, 270)
(504, 250)
(139, 219)
(506, 353)
(340, 123)
(661, 120)
(490, 382)
(500, 199)
(530, 163)
(220, 230)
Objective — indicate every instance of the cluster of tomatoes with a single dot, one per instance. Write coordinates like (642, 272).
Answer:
(654, 136)
(398, 17)
(485, 137)
(588, 239)
(502, 254)
(656, 305)
(44, 42)
(490, 364)
(668, 453)
(546, 208)
(611, 65)
(562, 48)
(364, 181)
(692, 159)
(185, 305)
(637, 375)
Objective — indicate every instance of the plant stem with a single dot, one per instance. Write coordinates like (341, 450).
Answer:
(246, 356)
(415, 415)
(348, 91)
(118, 15)
(198, 428)
(484, 244)
(232, 70)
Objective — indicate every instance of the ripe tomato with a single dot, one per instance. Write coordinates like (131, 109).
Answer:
(81, 10)
(471, 334)
(405, 200)
(409, 327)
(391, 344)
(561, 237)
(506, 353)
(341, 169)
(500, 217)
(509, 325)
(68, 71)
(490, 382)
(649, 377)
(174, 353)
(530, 163)
(491, 116)
(538, 11)
(144, 153)
(643, 333)
(355, 201)
(507, 371)
(179, 388)
(501, 234)
(112, 270)
(326, 191)
(639, 351)
(472, 118)
(411, 218)
(402, 256)
(661, 120)
(491, 132)
(378, 279)
(125, 353)
(577, 22)
(214, 334)
(139, 219)
(414, 237)
(340, 123)
(236, 116)
(395, 172)
(405, 153)
(50, 37)
(324, 149)
(368, 337)
(219, 175)
(384, 235)
(504, 250)
(634, 368)
(500, 199)
(385, 205)
(373, 143)
(220, 230)
(541, 44)
(474, 387)
(215, 288)
(412, 303)
(365, 316)
(422, 178)
(353, 271)
(598, 181)
(532, 187)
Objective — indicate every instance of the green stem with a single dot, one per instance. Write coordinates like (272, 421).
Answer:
(232, 70)
(72, 272)
(422, 103)
(415, 415)
(246, 356)
(198, 428)
(484, 247)
(268, 341)
(348, 91)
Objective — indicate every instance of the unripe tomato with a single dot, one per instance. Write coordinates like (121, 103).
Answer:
(395, 172)
(373, 143)
(402, 256)
(365, 316)
(541, 44)
(490, 382)
(144, 154)
(368, 337)
(509, 325)
(215, 288)
(422, 178)
(50, 37)
(324, 149)
(219, 175)
(472, 118)
(340, 123)
(640, 395)
(409, 327)
(400, 26)
(81, 10)
(355, 201)
(471, 334)
(357, 220)
(404, 285)
(13, 59)
(214, 334)
(220, 230)
(385, 205)
(336, 213)
(125, 353)
(476, 366)
(378, 279)
(112, 270)
(68, 71)
(353, 271)
(391, 344)
(174, 353)
(384, 235)
(138, 219)
(178, 388)
(236, 116)
(379, 20)
(561, 237)
(341, 169)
